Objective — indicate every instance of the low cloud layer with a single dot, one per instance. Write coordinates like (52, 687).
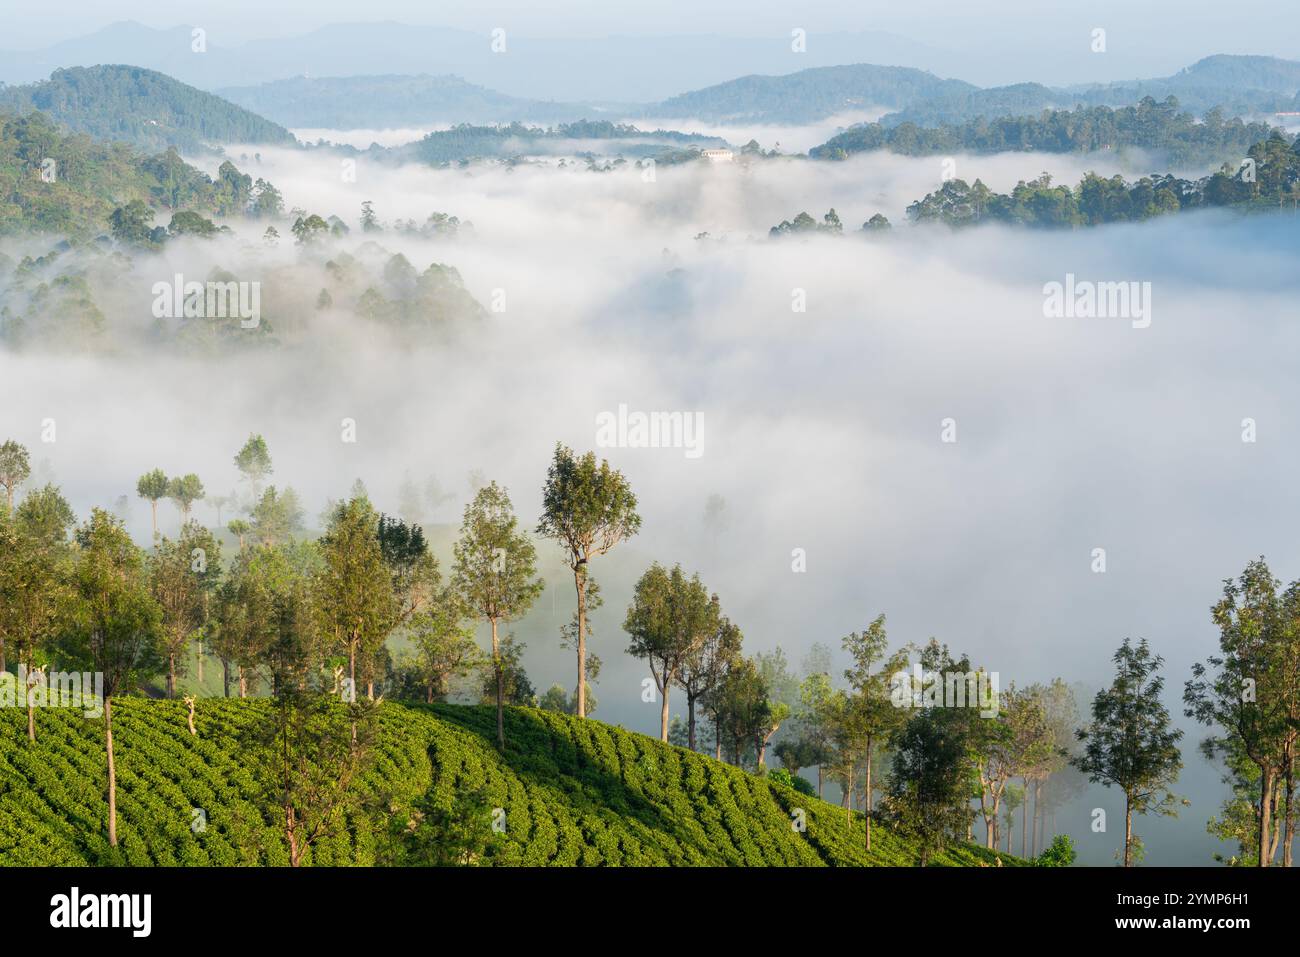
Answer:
(821, 429)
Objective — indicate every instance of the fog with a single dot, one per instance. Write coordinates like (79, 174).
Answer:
(822, 429)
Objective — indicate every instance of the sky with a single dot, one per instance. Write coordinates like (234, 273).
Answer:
(1046, 40)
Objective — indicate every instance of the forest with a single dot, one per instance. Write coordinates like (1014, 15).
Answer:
(1148, 125)
(356, 653)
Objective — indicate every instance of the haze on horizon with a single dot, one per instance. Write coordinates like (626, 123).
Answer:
(999, 42)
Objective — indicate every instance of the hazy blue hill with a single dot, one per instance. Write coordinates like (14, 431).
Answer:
(1244, 73)
(810, 94)
(146, 109)
(391, 101)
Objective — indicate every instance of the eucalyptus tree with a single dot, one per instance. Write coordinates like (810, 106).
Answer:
(153, 486)
(183, 575)
(870, 678)
(1250, 691)
(254, 463)
(35, 594)
(1130, 742)
(116, 628)
(670, 619)
(15, 468)
(353, 589)
(443, 644)
(588, 508)
(495, 573)
(184, 491)
(704, 669)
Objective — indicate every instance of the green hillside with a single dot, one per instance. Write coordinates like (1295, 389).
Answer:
(574, 793)
(146, 109)
(90, 178)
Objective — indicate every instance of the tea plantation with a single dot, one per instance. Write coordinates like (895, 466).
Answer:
(573, 793)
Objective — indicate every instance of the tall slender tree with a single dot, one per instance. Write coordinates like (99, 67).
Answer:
(35, 569)
(870, 678)
(495, 573)
(117, 626)
(1130, 742)
(15, 467)
(184, 491)
(670, 619)
(705, 668)
(153, 486)
(588, 508)
(353, 589)
(1249, 689)
(183, 575)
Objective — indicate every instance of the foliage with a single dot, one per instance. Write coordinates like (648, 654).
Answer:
(572, 792)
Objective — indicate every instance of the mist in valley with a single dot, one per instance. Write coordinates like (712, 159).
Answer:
(821, 429)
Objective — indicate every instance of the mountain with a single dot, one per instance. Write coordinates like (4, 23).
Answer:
(1241, 85)
(146, 109)
(573, 792)
(87, 179)
(809, 94)
(563, 68)
(392, 102)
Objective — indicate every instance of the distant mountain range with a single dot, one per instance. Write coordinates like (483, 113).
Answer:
(394, 102)
(152, 111)
(1241, 85)
(570, 69)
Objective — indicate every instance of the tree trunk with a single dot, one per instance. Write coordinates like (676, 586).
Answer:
(31, 714)
(153, 504)
(690, 721)
(1033, 825)
(1024, 820)
(243, 683)
(501, 688)
(225, 677)
(580, 583)
(171, 674)
(1289, 820)
(291, 833)
(1265, 818)
(663, 710)
(868, 812)
(112, 772)
(819, 781)
(1128, 830)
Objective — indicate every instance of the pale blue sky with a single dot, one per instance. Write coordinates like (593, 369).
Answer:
(1168, 27)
